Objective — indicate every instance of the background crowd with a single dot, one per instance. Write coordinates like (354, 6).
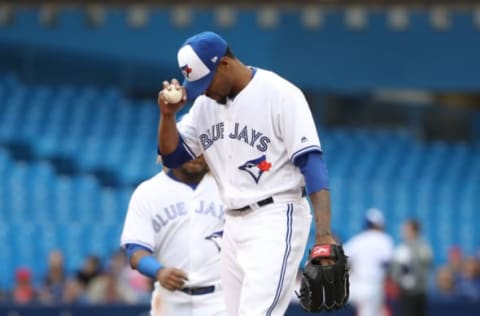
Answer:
(111, 280)
(98, 281)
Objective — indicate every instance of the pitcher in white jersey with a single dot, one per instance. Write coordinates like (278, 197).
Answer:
(258, 136)
(172, 233)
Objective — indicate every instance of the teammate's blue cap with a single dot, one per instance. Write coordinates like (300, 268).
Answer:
(198, 59)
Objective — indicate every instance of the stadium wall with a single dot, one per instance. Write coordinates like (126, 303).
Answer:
(345, 51)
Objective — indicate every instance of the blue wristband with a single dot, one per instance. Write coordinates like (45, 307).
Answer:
(149, 266)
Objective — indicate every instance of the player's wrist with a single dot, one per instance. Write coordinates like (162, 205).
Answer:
(157, 274)
(168, 115)
(324, 237)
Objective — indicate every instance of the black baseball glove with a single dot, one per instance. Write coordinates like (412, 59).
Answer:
(324, 287)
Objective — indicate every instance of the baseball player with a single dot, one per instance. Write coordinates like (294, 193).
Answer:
(370, 253)
(172, 233)
(258, 136)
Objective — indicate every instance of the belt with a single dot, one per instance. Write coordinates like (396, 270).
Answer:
(264, 202)
(198, 290)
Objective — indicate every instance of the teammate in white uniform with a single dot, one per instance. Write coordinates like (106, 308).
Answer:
(370, 253)
(259, 139)
(172, 233)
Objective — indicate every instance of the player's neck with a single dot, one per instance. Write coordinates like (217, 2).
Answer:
(244, 75)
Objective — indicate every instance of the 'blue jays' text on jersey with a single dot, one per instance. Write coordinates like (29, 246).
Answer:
(251, 142)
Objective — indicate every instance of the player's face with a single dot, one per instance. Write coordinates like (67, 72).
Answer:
(195, 167)
(407, 231)
(221, 86)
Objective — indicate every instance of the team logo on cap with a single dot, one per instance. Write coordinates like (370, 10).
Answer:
(256, 167)
(186, 71)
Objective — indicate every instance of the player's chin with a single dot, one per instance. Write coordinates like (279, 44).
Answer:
(194, 166)
(218, 98)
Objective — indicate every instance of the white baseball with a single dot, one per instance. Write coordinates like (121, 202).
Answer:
(172, 95)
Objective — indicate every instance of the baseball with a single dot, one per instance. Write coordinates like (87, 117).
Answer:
(172, 95)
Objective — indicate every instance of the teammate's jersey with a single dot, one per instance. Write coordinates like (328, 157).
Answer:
(369, 252)
(182, 226)
(280, 127)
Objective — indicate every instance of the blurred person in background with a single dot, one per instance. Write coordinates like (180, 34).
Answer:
(74, 292)
(172, 234)
(369, 252)
(444, 288)
(55, 278)
(455, 262)
(411, 266)
(469, 280)
(23, 290)
(112, 285)
(90, 269)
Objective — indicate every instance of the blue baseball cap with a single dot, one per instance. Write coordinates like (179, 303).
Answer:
(374, 216)
(198, 58)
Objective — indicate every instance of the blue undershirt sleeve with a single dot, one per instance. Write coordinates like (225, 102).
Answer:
(314, 170)
(130, 249)
(147, 265)
(178, 157)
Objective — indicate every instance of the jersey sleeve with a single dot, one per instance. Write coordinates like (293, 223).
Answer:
(187, 128)
(138, 227)
(296, 125)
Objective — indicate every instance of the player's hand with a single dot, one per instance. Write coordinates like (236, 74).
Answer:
(168, 108)
(171, 278)
(325, 239)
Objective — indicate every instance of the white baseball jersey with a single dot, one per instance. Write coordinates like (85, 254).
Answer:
(183, 228)
(369, 252)
(250, 142)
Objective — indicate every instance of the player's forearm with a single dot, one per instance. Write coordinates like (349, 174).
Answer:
(321, 205)
(167, 134)
(137, 256)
